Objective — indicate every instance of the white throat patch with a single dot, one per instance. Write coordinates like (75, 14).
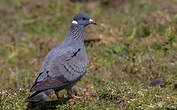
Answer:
(74, 22)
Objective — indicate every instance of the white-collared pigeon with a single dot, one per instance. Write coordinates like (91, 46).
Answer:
(64, 65)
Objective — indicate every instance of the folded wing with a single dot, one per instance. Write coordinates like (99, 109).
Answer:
(58, 74)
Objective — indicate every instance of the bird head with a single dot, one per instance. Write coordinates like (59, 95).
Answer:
(82, 19)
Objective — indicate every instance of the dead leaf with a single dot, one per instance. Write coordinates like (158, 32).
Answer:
(99, 37)
(148, 42)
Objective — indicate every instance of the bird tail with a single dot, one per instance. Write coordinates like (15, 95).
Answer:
(37, 97)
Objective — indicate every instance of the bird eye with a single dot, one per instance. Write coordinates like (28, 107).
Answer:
(83, 18)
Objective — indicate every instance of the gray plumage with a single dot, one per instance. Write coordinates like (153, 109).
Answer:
(65, 64)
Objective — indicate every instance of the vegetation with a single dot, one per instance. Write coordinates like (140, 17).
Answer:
(133, 66)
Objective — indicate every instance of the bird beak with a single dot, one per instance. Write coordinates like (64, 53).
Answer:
(92, 22)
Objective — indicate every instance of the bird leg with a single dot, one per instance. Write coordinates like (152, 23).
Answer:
(72, 95)
(56, 93)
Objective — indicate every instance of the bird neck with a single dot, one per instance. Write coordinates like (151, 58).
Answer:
(76, 32)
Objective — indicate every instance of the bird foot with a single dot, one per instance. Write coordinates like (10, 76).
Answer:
(72, 95)
(75, 97)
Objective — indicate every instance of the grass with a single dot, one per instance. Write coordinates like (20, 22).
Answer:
(136, 70)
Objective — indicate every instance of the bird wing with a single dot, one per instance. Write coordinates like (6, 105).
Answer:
(55, 74)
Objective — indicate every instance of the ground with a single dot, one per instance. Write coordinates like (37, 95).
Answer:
(132, 66)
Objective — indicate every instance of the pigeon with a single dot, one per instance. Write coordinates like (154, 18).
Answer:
(64, 65)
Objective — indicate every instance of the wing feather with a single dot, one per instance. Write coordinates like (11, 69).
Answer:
(50, 83)
(55, 75)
